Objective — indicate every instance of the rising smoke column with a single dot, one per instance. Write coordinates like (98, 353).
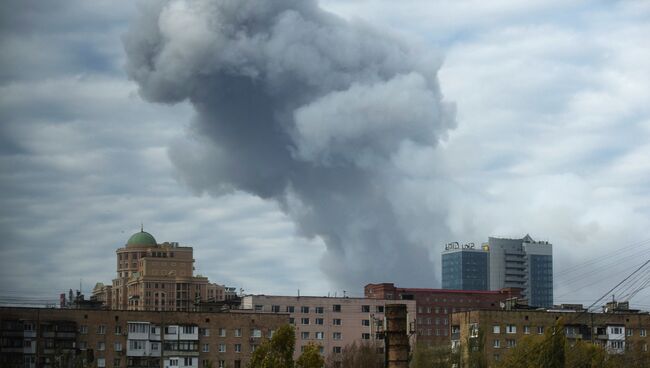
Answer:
(301, 107)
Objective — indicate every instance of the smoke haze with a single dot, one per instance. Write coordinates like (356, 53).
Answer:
(298, 106)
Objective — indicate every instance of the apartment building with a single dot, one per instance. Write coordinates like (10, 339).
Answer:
(522, 263)
(435, 306)
(615, 330)
(42, 338)
(331, 322)
(157, 277)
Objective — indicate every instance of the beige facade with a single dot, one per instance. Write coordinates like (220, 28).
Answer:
(504, 329)
(156, 277)
(332, 323)
(36, 337)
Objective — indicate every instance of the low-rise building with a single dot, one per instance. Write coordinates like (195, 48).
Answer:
(504, 329)
(435, 306)
(331, 322)
(42, 338)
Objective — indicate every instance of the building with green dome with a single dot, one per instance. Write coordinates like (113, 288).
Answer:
(154, 276)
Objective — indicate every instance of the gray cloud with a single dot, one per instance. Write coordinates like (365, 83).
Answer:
(297, 105)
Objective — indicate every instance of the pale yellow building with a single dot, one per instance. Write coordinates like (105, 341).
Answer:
(156, 277)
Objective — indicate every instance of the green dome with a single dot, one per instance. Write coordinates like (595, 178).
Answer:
(142, 238)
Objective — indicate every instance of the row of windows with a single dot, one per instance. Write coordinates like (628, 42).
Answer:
(172, 330)
(305, 335)
(428, 320)
(569, 330)
(317, 310)
(317, 321)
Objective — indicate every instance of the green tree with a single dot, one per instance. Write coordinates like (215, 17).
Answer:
(366, 355)
(310, 357)
(426, 356)
(276, 352)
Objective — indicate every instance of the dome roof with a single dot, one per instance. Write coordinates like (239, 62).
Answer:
(142, 238)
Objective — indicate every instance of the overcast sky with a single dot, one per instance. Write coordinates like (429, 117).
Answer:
(551, 137)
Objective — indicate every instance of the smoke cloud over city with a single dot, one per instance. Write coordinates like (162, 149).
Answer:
(296, 105)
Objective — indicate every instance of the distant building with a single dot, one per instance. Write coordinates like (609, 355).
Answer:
(618, 330)
(333, 323)
(465, 267)
(47, 338)
(157, 277)
(435, 306)
(523, 263)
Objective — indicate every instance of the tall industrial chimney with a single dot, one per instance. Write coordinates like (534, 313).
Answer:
(397, 338)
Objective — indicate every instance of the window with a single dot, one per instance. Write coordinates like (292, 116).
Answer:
(365, 336)
(380, 309)
(222, 364)
(629, 332)
(116, 362)
(642, 332)
(82, 345)
(511, 343)
(616, 330)
(238, 332)
(336, 321)
(259, 307)
(222, 348)
(137, 328)
(496, 344)
(206, 348)
(204, 331)
(304, 309)
(101, 362)
(256, 332)
(540, 330)
(292, 321)
(101, 346)
(118, 330)
(304, 321)
(188, 361)
(336, 308)
(101, 329)
(365, 322)
(320, 321)
(170, 330)
(336, 336)
(617, 344)
(365, 309)
(320, 335)
(117, 346)
(511, 329)
(205, 363)
(173, 362)
(336, 350)
(319, 310)
(237, 348)
(155, 346)
(136, 345)
(222, 332)
(496, 329)
(83, 329)
(290, 309)
(275, 308)
(527, 330)
(304, 335)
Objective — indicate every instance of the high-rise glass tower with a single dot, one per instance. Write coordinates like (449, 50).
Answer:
(464, 268)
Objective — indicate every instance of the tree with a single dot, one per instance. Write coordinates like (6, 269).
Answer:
(425, 356)
(310, 357)
(276, 352)
(366, 355)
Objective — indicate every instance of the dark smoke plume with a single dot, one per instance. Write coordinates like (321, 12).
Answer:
(299, 106)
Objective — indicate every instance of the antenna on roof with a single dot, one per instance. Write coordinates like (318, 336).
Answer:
(141, 227)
